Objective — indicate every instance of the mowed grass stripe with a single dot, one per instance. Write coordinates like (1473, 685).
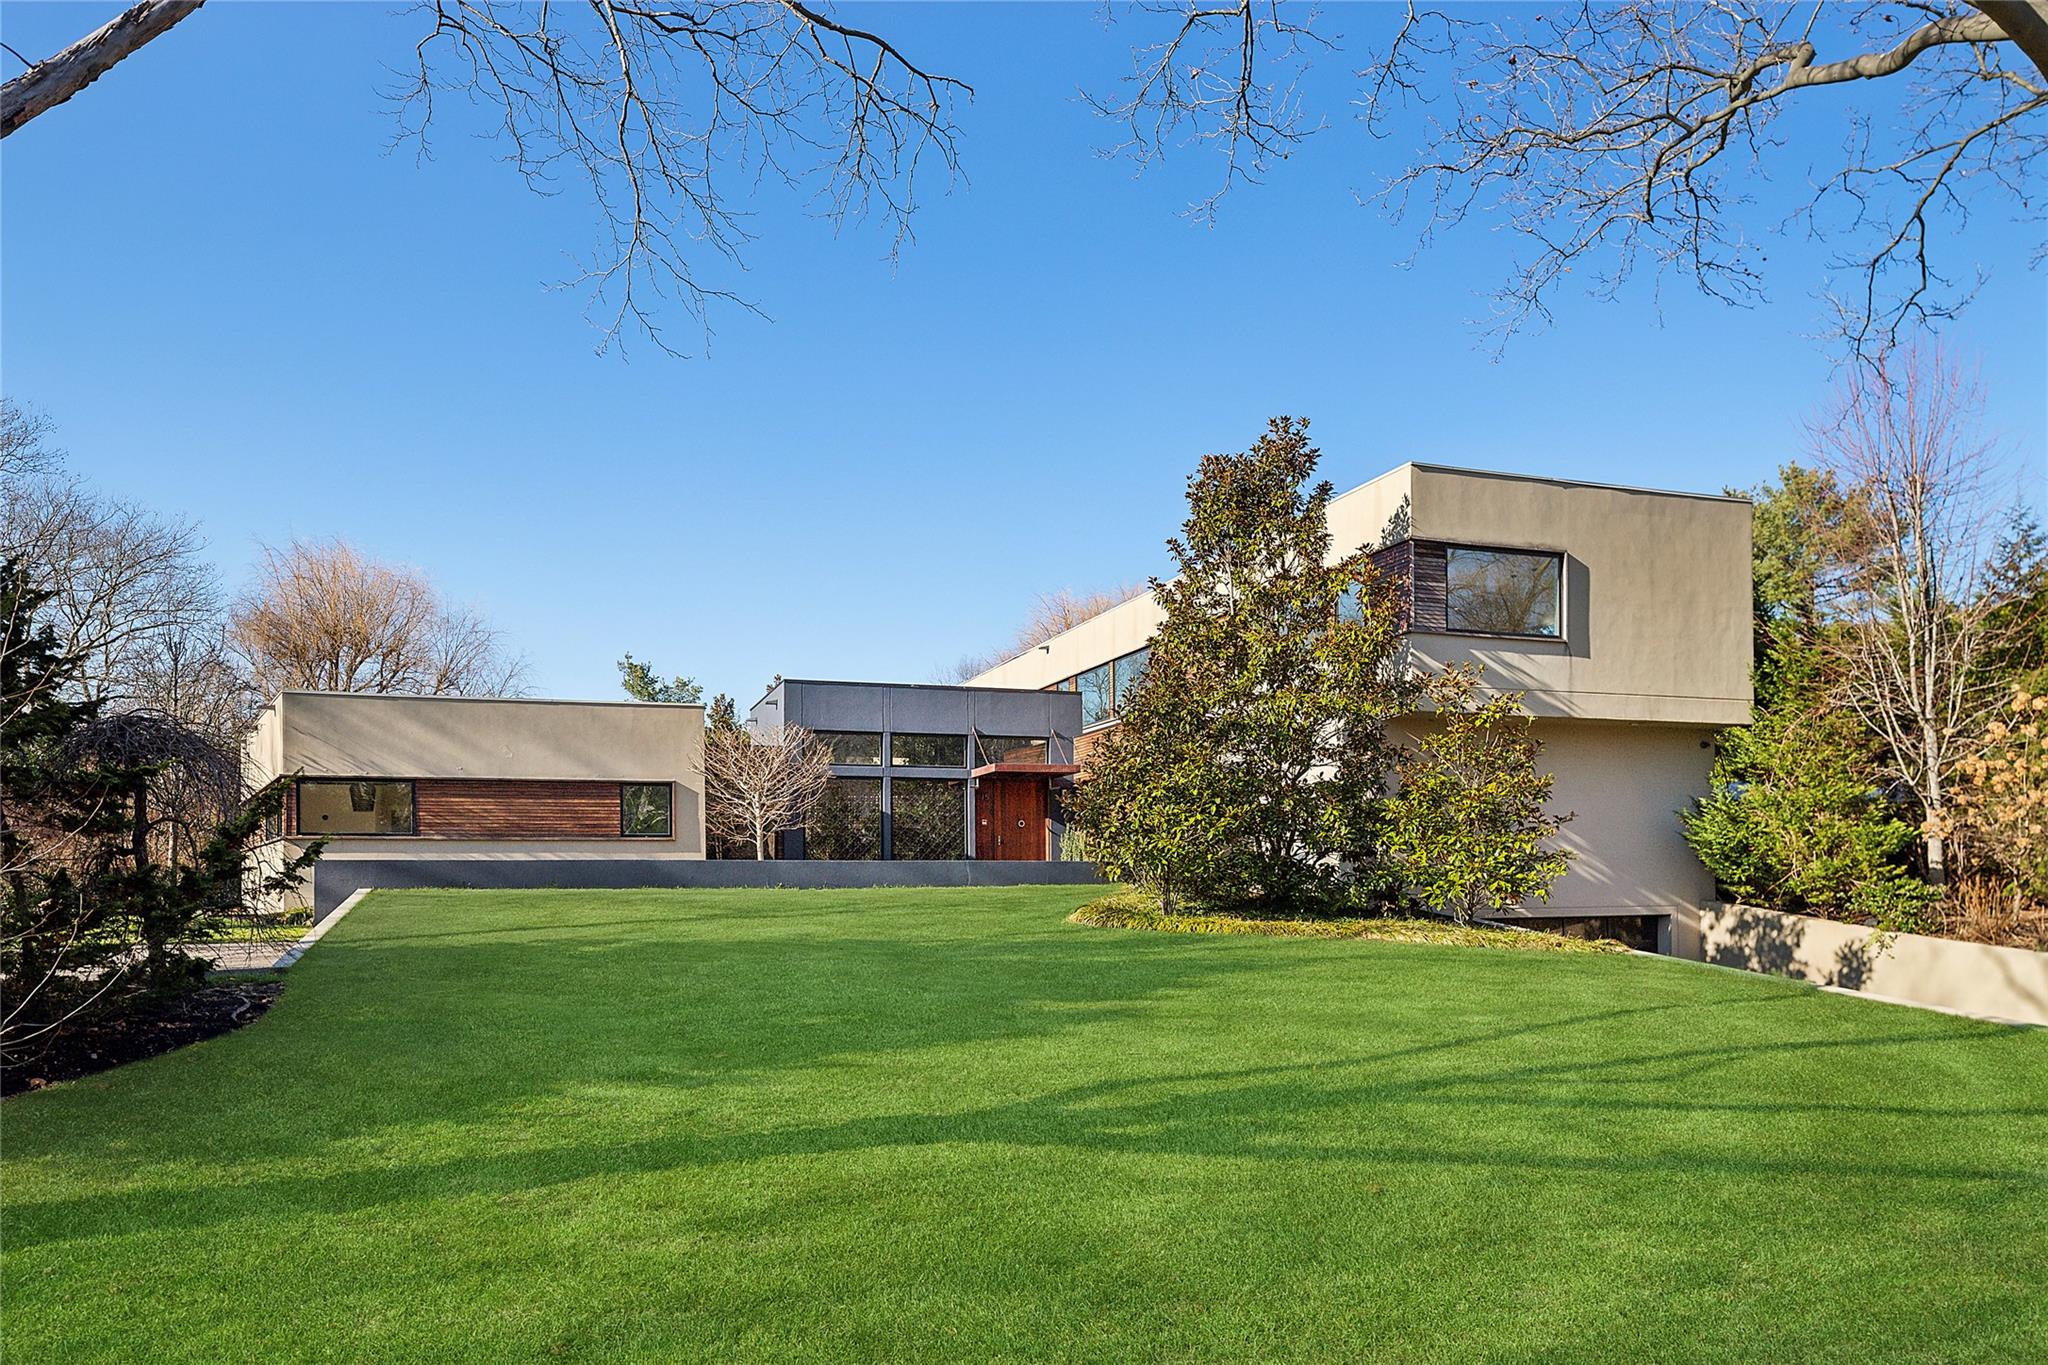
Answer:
(947, 1124)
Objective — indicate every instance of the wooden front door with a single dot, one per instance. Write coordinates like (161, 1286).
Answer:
(1009, 819)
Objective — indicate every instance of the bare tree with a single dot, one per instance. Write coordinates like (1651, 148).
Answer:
(26, 453)
(656, 110)
(1911, 616)
(325, 617)
(124, 576)
(1051, 613)
(758, 784)
(1609, 137)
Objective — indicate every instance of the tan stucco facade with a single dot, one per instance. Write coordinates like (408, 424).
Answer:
(361, 735)
(1656, 594)
(1653, 656)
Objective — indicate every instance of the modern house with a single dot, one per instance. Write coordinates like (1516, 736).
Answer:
(393, 779)
(1622, 615)
(931, 772)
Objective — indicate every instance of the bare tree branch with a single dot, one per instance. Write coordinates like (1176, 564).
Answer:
(1226, 76)
(653, 106)
(50, 82)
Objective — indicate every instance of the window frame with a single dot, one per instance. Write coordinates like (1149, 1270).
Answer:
(412, 807)
(669, 830)
(1557, 561)
(966, 749)
(826, 737)
(983, 760)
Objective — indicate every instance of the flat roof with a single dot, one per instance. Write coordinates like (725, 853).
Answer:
(927, 687)
(445, 696)
(1566, 483)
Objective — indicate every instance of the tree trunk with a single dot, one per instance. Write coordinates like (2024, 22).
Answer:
(1932, 798)
(760, 841)
(56, 79)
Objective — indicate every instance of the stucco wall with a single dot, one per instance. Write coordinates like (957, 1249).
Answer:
(365, 735)
(1976, 978)
(359, 735)
(1657, 597)
(1624, 786)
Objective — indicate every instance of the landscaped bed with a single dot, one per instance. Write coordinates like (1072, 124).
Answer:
(947, 1124)
(1131, 910)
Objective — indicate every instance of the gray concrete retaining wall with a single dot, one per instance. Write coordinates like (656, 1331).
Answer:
(334, 880)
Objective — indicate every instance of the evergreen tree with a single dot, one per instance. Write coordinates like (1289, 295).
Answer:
(640, 682)
(1251, 761)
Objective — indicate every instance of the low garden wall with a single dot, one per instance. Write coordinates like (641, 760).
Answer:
(1975, 978)
(334, 879)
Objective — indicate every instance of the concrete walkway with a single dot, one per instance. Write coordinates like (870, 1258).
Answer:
(241, 956)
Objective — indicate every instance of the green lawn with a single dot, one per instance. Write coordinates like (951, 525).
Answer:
(949, 1125)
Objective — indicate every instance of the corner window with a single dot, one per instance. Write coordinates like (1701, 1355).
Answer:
(1503, 592)
(355, 807)
(853, 748)
(646, 810)
(927, 751)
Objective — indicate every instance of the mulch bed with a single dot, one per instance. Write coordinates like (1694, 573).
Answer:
(84, 1047)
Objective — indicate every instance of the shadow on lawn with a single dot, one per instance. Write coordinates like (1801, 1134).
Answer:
(1289, 1112)
(393, 1028)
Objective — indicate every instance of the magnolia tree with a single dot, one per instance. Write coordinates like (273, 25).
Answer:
(757, 784)
(1469, 827)
(1254, 763)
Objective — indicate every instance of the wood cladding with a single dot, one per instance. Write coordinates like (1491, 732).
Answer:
(507, 808)
(1429, 588)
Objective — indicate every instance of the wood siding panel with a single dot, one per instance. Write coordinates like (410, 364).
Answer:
(453, 809)
(1397, 562)
(1430, 587)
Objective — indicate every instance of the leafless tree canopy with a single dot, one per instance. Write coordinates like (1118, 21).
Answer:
(1223, 73)
(757, 785)
(1613, 137)
(323, 616)
(659, 109)
(1913, 602)
(1051, 612)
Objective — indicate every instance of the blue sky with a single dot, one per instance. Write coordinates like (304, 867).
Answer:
(240, 307)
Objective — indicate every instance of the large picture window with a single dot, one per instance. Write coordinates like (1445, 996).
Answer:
(646, 810)
(847, 821)
(329, 807)
(927, 751)
(853, 747)
(1502, 592)
(927, 817)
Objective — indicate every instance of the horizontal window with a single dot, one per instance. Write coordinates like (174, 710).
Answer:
(1009, 749)
(646, 810)
(853, 747)
(927, 751)
(354, 807)
(1502, 592)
